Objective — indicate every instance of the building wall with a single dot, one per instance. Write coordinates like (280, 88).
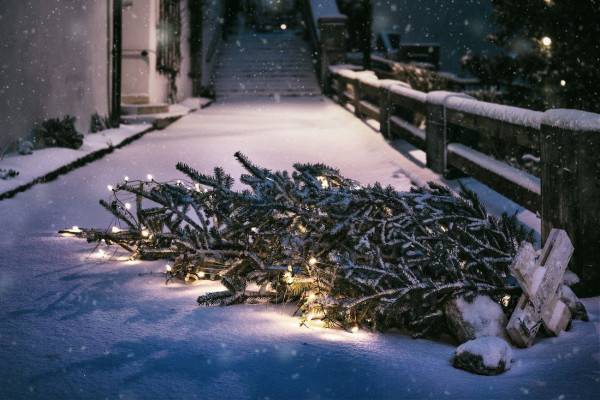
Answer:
(54, 60)
(140, 76)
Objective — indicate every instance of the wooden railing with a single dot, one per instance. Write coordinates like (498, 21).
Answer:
(566, 195)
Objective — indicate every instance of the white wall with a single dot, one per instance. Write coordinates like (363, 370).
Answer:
(140, 77)
(54, 57)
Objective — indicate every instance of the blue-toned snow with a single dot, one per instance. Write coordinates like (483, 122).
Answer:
(73, 325)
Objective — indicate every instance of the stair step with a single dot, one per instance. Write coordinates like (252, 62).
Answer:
(143, 109)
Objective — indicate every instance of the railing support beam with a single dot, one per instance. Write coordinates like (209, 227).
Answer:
(570, 178)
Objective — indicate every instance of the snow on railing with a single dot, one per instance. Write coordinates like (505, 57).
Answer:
(565, 194)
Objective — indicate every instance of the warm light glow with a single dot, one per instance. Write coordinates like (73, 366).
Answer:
(505, 300)
(354, 329)
(110, 188)
(145, 232)
(75, 229)
(149, 177)
(283, 27)
(168, 268)
(100, 253)
(128, 206)
(563, 82)
(200, 274)
(323, 181)
(126, 178)
(312, 261)
(116, 229)
(546, 41)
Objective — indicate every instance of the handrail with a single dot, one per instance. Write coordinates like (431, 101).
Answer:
(327, 30)
(567, 192)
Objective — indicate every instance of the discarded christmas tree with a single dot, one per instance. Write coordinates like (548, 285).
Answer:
(346, 254)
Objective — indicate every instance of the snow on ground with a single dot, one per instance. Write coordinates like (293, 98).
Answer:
(78, 326)
(45, 161)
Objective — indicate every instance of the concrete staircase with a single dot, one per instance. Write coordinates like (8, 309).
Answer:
(266, 64)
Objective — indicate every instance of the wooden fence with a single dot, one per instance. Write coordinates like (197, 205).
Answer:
(567, 193)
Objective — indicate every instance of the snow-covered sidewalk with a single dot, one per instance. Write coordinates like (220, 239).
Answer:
(76, 325)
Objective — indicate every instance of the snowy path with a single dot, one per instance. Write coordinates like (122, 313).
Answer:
(74, 326)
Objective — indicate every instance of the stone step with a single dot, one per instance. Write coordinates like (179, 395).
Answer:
(144, 109)
(135, 99)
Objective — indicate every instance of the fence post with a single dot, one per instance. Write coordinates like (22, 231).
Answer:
(332, 46)
(385, 106)
(356, 92)
(570, 176)
(436, 132)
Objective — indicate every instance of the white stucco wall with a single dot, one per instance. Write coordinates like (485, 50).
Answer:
(140, 77)
(54, 57)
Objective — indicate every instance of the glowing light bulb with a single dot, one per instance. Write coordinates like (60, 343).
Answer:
(128, 206)
(116, 229)
(354, 329)
(563, 82)
(149, 177)
(100, 253)
(546, 41)
(168, 268)
(179, 181)
(76, 229)
(312, 261)
(145, 232)
(283, 27)
(200, 274)
(110, 188)
(126, 178)
(505, 300)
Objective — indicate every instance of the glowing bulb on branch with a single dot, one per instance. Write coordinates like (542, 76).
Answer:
(149, 177)
(200, 274)
(110, 188)
(546, 41)
(128, 206)
(283, 27)
(354, 329)
(75, 229)
(168, 267)
(145, 232)
(116, 229)
(312, 261)
(563, 83)
(126, 179)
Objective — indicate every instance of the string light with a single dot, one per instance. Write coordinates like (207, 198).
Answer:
(128, 206)
(200, 274)
(283, 27)
(563, 82)
(354, 329)
(75, 229)
(323, 181)
(116, 229)
(126, 178)
(145, 232)
(312, 261)
(149, 177)
(546, 41)
(168, 268)
(110, 188)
